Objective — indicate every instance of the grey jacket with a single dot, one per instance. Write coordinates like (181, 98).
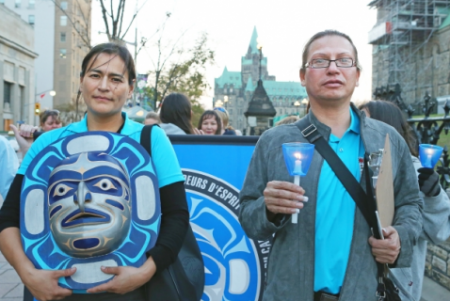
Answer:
(436, 229)
(171, 129)
(291, 264)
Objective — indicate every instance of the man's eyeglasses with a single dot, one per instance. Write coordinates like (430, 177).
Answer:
(324, 63)
(220, 109)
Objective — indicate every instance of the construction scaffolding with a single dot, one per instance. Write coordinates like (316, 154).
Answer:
(403, 29)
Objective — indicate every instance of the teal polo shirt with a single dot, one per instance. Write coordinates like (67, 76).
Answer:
(335, 212)
(164, 158)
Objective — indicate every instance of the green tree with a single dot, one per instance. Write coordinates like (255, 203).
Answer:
(187, 75)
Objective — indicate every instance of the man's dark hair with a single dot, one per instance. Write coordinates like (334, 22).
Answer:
(322, 34)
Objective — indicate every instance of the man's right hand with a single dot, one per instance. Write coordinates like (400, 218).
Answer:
(283, 197)
(43, 284)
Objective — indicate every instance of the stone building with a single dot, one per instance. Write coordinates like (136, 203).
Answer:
(17, 79)
(234, 89)
(61, 35)
(411, 46)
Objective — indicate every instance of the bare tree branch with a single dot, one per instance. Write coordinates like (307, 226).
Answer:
(121, 18)
(104, 14)
(132, 20)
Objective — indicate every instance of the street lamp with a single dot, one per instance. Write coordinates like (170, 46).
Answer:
(225, 100)
(42, 94)
(305, 104)
(297, 104)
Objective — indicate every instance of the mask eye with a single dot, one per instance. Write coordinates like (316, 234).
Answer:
(105, 185)
(61, 190)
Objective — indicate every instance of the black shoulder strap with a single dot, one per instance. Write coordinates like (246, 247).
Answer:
(362, 200)
(365, 201)
(146, 138)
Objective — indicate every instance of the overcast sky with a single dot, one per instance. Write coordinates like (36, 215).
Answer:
(283, 26)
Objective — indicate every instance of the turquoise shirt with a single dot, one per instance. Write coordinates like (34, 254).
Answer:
(335, 212)
(164, 158)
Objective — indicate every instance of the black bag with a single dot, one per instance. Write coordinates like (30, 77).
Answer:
(184, 279)
(386, 289)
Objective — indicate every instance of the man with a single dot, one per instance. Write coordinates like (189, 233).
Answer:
(9, 164)
(330, 254)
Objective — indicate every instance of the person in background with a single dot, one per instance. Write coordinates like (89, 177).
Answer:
(106, 82)
(210, 123)
(9, 164)
(152, 118)
(226, 128)
(176, 115)
(26, 133)
(436, 204)
(287, 120)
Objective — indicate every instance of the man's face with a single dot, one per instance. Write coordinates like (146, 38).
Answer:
(332, 83)
(89, 205)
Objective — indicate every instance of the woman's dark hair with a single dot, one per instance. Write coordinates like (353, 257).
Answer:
(208, 114)
(389, 113)
(176, 109)
(321, 35)
(109, 48)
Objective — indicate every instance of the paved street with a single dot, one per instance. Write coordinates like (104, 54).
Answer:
(11, 288)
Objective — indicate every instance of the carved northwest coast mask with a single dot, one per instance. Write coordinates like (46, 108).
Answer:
(90, 200)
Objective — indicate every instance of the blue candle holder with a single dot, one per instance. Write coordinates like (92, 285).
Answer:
(429, 154)
(298, 157)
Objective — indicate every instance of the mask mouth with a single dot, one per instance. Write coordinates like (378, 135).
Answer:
(88, 217)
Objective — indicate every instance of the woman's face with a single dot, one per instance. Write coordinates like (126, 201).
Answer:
(51, 123)
(105, 85)
(209, 125)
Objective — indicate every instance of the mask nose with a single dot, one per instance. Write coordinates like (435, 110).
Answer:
(82, 195)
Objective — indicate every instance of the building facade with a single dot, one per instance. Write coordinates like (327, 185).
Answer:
(234, 89)
(411, 47)
(17, 59)
(62, 39)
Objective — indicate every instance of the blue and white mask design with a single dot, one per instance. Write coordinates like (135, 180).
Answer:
(89, 204)
(89, 200)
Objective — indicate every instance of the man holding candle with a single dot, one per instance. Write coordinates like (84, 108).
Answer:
(329, 254)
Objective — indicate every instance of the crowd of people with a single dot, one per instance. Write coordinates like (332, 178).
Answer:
(330, 254)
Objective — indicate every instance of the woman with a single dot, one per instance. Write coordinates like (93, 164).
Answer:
(26, 134)
(210, 123)
(106, 82)
(226, 128)
(436, 204)
(176, 114)
(50, 120)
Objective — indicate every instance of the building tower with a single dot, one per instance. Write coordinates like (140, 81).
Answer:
(235, 89)
(406, 46)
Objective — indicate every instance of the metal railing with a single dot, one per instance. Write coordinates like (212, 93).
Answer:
(427, 129)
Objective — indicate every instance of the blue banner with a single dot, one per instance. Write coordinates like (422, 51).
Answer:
(214, 168)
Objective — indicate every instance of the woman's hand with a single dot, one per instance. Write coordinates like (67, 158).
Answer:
(24, 136)
(126, 279)
(43, 284)
(198, 132)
